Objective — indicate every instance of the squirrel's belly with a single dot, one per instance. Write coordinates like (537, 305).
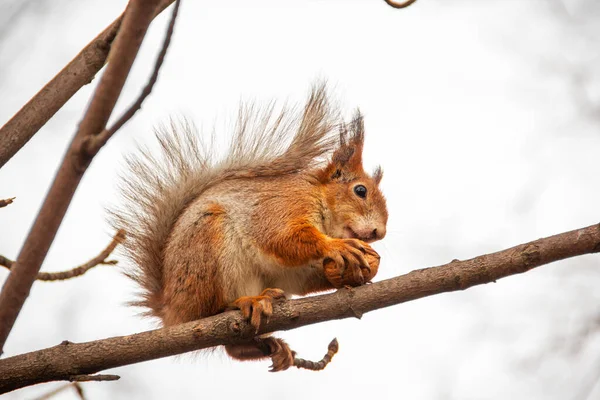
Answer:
(297, 280)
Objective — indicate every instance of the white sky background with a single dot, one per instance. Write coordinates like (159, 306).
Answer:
(485, 141)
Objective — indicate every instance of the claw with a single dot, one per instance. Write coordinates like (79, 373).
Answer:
(350, 262)
(253, 308)
(281, 354)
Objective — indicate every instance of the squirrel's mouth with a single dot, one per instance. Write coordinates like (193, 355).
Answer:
(349, 233)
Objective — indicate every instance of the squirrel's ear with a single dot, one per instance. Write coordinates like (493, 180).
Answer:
(349, 155)
(377, 175)
(346, 161)
(330, 173)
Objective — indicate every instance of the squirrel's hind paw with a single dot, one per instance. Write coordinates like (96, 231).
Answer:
(254, 307)
(281, 354)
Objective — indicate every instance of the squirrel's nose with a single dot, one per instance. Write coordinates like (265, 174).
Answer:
(378, 233)
(370, 233)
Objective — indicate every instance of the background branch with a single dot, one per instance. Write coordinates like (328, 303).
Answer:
(44, 104)
(133, 28)
(403, 4)
(37, 111)
(94, 143)
(68, 359)
(5, 202)
(80, 270)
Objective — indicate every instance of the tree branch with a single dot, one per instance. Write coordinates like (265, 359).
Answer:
(5, 202)
(137, 17)
(69, 359)
(95, 143)
(94, 378)
(404, 4)
(332, 350)
(44, 104)
(77, 271)
(79, 72)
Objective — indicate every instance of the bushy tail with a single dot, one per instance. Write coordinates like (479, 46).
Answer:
(156, 189)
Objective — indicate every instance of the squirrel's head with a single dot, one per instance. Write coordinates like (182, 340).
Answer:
(357, 206)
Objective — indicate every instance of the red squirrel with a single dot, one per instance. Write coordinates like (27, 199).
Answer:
(288, 210)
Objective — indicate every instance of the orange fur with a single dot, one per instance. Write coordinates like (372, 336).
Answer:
(184, 281)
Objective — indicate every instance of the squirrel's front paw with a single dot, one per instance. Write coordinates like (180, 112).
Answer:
(350, 262)
(254, 307)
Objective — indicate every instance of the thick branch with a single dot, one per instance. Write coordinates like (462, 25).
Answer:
(78, 73)
(77, 271)
(137, 17)
(69, 359)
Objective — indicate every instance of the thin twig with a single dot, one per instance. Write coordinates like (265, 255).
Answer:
(94, 378)
(79, 390)
(5, 202)
(68, 359)
(399, 5)
(80, 270)
(74, 385)
(138, 16)
(94, 143)
(6, 262)
(332, 349)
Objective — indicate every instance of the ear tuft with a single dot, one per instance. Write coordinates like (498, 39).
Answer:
(343, 134)
(346, 161)
(343, 155)
(357, 128)
(377, 174)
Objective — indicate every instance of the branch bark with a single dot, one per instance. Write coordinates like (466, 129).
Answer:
(70, 359)
(136, 20)
(78, 73)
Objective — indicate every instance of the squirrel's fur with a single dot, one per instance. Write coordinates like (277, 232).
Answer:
(203, 232)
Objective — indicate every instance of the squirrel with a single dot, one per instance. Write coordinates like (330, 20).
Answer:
(288, 210)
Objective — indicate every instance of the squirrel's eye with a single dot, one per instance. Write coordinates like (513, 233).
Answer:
(360, 191)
